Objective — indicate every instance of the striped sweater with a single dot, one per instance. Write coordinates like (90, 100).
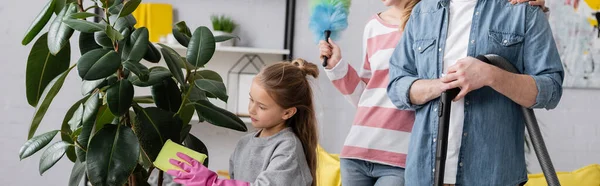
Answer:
(380, 132)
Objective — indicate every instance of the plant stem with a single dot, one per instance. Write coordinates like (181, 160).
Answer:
(88, 8)
(160, 178)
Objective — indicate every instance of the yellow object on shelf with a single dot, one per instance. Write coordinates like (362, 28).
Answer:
(169, 151)
(157, 17)
(586, 176)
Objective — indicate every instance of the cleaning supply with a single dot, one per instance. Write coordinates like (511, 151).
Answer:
(328, 18)
(169, 151)
(192, 173)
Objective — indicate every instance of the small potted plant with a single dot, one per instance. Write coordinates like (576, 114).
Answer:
(223, 25)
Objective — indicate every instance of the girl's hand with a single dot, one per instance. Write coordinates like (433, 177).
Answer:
(331, 51)
(540, 3)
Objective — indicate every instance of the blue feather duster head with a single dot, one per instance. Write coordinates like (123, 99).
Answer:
(329, 15)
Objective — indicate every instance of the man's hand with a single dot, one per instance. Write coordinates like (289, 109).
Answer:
(468, 74)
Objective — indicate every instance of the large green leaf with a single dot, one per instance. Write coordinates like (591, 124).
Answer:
(49, 93)
(182, 27)
(143, 99)
(214, 88)
(218, 116)
(98, 63)
(112, 155)
(65, 129)
(187, 112)
(60, 4)
(42, 67)
(225, 37)
(107, 3)
(77, 173)
(138, 69)
(172, 58)
(40, 21)
(183, 39)
(129, 7)
(206, 74)
(59, 33)
(83, 15)
(197, 145)
(89, 86)
(83, 25)
(167, 95)
(103, 40)
(156, 75)
(121, 23)
(36, 143)
(87, 43)
(52, 154)
(113, 34)
(154, 127)
(138, 45)
(119, 97)
(104, 117)
(88, 117)
(152, 54)
(201, 48)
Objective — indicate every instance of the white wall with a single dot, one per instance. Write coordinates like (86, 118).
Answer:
(572, 131)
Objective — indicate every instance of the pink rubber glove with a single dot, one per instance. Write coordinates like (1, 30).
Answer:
(196, 174)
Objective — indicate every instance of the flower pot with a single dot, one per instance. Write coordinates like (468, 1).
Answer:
(227, 43)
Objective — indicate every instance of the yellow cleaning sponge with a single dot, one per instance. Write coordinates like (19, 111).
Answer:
(169, 151)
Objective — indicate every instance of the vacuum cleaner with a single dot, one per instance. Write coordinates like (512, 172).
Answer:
(530, 122)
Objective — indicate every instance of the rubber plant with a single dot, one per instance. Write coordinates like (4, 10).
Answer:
(111, 136)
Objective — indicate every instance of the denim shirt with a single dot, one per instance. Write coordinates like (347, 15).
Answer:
(492, 147)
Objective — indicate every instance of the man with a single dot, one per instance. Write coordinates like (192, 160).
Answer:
(486, 127)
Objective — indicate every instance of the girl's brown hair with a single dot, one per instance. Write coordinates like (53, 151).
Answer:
(406, 12)
(286, 83)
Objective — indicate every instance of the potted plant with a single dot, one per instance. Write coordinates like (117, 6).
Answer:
(223, 25)
(110, 135)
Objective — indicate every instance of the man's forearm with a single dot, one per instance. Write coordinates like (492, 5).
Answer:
(520, 88)
(425, 90)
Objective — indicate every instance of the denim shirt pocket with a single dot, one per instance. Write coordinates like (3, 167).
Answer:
(507, 45)
(425, 57)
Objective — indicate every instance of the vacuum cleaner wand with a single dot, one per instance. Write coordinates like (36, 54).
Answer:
(442, 135)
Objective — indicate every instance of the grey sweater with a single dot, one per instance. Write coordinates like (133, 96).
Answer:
(277, 160)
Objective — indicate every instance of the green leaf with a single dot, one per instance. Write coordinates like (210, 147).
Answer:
(103, 40)
(143, 99)
(36, 143)
(113, 34)
(152, 54)
(42, 67)
(187, 112)
(83, 15)
(52, 154)
(83, 25)
(77, 173)
(76, 117)
(40, 21)
(112, 155)
(121, 23)
(218, 116)
(167, 95)
(139, 44)
(196, 94)
(107, 3)
(181, 37)
(119, 97)
(59, 33)
(129, 7)
(172, 59)
(153, 127)
(195, 144)
(104, 117)
(88, 117)
(225, 37)
(156, 75)
(185, 131)
(60, 4)
(183, 28)
(202, 47)
(87, 42)
(138, 69)
(49, 93)
(89, 86)
(206, 74)
(98, 64)
(214, 88)
(66, 131)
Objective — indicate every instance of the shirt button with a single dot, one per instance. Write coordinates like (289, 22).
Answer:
(433, 139)
(476, 13)
(419, 48)
(505, 41)
(433, 170)
(435, 109)
(466, 103)
(465, 134)
(440, 49)
(461, 164)
(472, 41)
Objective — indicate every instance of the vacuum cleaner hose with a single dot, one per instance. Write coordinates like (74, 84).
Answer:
(530, 122)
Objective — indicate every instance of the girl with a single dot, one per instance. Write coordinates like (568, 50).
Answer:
(283, 152)
(376, 147)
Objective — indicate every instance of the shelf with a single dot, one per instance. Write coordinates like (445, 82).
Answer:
(235, 49)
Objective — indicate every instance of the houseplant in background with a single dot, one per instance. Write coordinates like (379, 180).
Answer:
(223, 26)
(110, 135)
